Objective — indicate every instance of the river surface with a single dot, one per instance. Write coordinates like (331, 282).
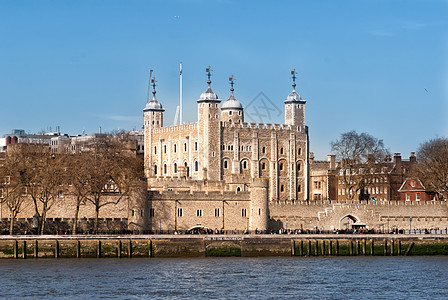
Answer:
(227, 278)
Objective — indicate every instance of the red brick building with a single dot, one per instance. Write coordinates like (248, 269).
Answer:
(413, 189)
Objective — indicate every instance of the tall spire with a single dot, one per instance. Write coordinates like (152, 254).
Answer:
(293, 73)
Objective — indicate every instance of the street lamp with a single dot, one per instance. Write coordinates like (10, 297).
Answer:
(410, 225)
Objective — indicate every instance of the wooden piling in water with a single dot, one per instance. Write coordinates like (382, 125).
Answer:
(130, 249)
(56, 249)
(337, 248)
(16, 248)
(323, 248)
(119, 249)
(372, 247)
(330, 250)
(316, 248)
(392, 248)
(364, 247)
(293, 248)
(351, 248)
(98, 252)
(399, 247)
(385, 247)
(36, 249)
(78, 249)
(309, 247)
(150, 248)
(301, 248)
(409, 249)
(24, 250)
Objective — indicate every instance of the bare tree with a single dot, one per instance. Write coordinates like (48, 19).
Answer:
(12, 188)
(433, 165)
(358, 154)
(44, 178)
(77, 181)
(112, 169)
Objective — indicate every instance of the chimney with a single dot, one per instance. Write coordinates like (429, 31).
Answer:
(332, 161)
(412, 158)
(397, 161)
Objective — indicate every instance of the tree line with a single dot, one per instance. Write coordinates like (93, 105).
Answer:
(360, 154)
(32, 176)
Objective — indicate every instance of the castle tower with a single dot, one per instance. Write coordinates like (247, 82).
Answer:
(259, 213)
(232, 110)
(153, 118)
(295, 107)
(208, 165)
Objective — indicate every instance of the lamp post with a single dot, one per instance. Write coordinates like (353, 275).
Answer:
(247, 228)
(410, 225)
(388, 225)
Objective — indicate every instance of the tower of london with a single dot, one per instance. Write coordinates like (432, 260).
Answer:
(222, 172)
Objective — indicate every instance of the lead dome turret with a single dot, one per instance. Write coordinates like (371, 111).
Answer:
(232, 109)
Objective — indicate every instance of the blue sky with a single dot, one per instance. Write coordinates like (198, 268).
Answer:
(377, 66)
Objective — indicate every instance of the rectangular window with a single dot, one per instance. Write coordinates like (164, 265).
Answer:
(408, 197)
(151, 212)
(180, 212)
(216, 212)
(243, 212)
(199, 213)
(417, 197)
(195, 146)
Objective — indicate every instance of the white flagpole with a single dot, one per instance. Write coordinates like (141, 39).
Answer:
(180, 106)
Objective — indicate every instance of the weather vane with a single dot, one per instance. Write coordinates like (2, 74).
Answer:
(209, 74)
(153, 81)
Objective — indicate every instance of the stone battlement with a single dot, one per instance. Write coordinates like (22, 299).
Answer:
(175, 128)
(257, 126)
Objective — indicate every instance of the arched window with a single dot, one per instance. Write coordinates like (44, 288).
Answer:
(165, 169)
(299, 152)
(280, 167)
(299, 188)
(225, 164)
(281, 150)
(298, 166)
(155, 169)
(245, 164)
(196, 166)
(175, 148)
(155, 149)
(263, 166)
(164, 148)
(238, 189)
(185, 147)
(175, 167)
(282, 188)
(195, 146)
(263, 150)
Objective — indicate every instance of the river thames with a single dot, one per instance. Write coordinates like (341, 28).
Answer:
(224, 278)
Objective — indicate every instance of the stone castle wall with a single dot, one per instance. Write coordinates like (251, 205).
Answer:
(378, 215)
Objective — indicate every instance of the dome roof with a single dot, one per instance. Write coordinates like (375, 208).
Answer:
(153, 105)
(208, 95)
(293, 97)
(232, 103)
